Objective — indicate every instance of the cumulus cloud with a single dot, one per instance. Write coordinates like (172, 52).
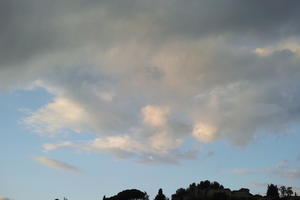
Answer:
(56, 164)
(145, 76)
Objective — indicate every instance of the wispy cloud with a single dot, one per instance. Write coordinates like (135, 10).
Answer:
(62, 114)
(210, 154)
(243, 171)
(126, 147)
(5, 198)
(280, 169)
(56, 164)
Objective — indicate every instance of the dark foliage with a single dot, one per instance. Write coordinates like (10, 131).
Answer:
(160, 195)
(220, 196)
(207, 190)
(132, 194)
(272, 191)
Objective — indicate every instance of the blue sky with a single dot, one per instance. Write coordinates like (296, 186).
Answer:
(101, 96)
(102, 174)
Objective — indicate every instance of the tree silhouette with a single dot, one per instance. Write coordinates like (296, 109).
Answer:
(272, 191)
(132, 194)
(215, 185)
(206, 184)
(289, 191)
(160, 195)
(220, 196)
(282, 190)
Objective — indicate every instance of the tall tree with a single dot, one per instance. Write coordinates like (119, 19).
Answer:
(160, 195)
(272, 191)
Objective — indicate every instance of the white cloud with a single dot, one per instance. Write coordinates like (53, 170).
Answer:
(61, 114)
(155, 115)
(204, 132)
(51, 147)
(164, 141)
(157, 148)
(55, 164)
(117, 144)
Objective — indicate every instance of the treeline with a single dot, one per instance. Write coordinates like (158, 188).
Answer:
(206, 190)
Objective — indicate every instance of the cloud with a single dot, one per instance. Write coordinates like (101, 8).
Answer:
(54, 117)
(51, 147)
(288, 45)
(281, 164)
(151, 75)
(55, 164)
(291, 173)
(152, 150)
(210, 154)
(154, 115)
(283, 170)
(5, 198)
(280, 169)
(242, 171)
(117, 144)
(204, 132)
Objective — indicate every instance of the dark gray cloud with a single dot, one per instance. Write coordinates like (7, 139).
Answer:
(32, 28)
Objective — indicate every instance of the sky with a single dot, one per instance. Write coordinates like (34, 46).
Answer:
(99, 96)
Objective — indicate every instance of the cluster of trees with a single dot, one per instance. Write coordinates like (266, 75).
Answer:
(286, 191)
(134, 194)
(203, 185)
(274, 192)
